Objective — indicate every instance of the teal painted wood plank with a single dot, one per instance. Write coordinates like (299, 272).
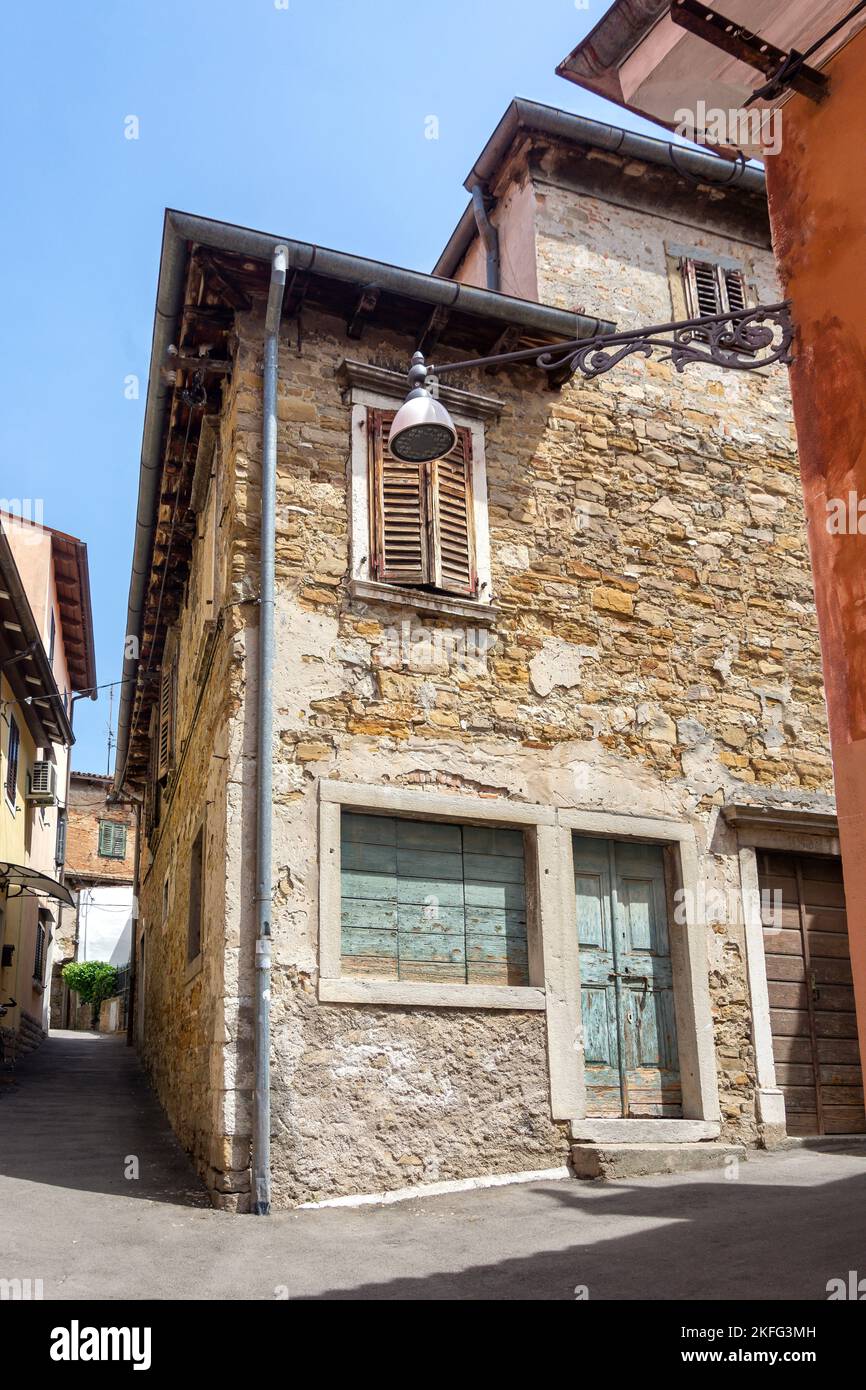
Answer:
(360, 941)
(478, 839)
(428, 835)
(418, 917)
(368, 830)
(418, 863)
(430, 946)
(495, 921)
(496, 948)
(433, 972)
(492, 868)
(480, 972)
(369, 913)
(382, 887)
(429, 890)
(376, 859)
(506, 896)
(371, 968)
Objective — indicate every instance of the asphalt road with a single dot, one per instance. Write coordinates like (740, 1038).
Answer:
(787, 1224)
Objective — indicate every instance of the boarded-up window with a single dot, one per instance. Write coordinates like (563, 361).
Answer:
(422, 515)
(196, 864)
(431, 901)
(112, 839)
(712, 289)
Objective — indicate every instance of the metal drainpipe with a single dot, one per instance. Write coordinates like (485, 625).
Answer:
(261, 1155)
(489, 235)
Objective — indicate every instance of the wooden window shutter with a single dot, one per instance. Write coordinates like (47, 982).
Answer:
(712, 289)
(165, 730)
(735, 290)
(398, 510)
(453, 524)
(703, 289)
(422, 515)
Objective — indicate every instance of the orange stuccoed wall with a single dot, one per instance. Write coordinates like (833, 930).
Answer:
(817, 194)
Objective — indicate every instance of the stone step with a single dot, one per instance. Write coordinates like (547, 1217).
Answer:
(611, 1160)
(657, 1131)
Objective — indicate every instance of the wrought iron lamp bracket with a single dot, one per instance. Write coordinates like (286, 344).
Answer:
(742, 341)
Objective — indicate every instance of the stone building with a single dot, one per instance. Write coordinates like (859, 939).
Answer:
(99, 871)
(548, 716)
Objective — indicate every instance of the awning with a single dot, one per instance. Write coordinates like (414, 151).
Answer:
(31, 881)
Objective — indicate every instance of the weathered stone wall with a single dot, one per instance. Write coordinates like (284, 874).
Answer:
(188, 1026)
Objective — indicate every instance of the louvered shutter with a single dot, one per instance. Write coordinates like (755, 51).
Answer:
(398, 510)
(453, 528)
(422, 515)
(703, 290)
(165, 732)
(735, 290)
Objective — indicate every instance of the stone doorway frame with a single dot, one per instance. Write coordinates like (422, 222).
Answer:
(789, 832)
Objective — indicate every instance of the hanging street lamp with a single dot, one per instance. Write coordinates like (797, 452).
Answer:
(744, 341)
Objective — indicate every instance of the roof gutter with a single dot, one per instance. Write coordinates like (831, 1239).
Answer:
(183, 228)
(564, 125)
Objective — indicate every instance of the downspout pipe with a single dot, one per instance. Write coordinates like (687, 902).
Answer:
(489, 235)
(261, 1137)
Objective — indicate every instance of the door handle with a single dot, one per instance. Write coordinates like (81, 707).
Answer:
(816, 993)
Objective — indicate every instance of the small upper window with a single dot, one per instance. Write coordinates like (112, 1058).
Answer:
(422, 515)
(112, 839)
(712, 289)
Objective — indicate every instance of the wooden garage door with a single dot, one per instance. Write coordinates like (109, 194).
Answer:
(811, 997)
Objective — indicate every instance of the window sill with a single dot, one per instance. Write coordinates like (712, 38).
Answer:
(442, 605)
(416, 994)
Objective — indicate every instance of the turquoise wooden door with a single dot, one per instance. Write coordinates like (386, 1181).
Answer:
(626, 981)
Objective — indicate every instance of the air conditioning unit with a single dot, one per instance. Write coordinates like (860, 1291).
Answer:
(43, 784)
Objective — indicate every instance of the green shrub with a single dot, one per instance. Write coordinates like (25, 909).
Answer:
(92, 980)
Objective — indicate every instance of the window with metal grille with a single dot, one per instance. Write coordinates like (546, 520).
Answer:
(12, 748)
(431, 901)
(422, 515)
(112, 839)
(712, 289)
(41, 939)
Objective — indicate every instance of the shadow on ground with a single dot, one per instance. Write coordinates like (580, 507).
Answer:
(712, 1239)
(79, 1109)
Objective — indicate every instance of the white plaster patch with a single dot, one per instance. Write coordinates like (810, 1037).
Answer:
(558, 664)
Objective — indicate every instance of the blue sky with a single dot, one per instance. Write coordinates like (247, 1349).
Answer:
(305, 118)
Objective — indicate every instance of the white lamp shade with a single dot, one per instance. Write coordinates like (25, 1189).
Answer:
(422, 429)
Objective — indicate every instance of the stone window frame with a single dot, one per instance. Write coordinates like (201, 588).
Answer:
(370, 387)
(554, 959)
(675, 254)
(788, 832)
